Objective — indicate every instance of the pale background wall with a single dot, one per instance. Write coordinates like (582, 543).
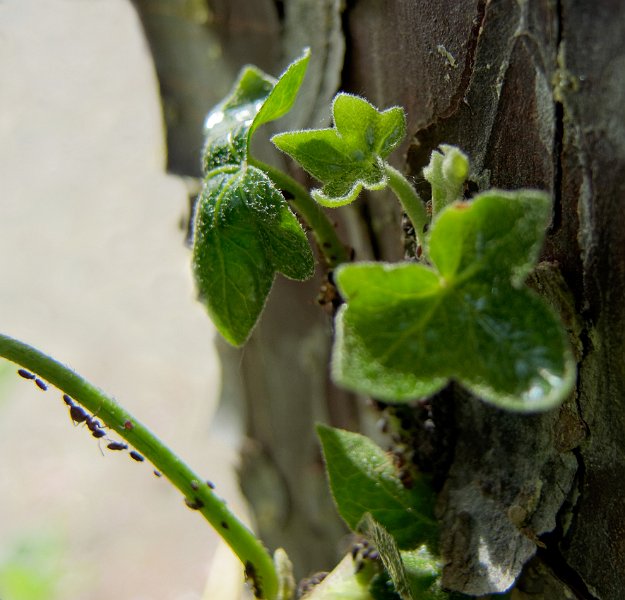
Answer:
(94, 271)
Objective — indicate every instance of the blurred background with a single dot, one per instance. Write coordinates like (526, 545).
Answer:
(94, 271)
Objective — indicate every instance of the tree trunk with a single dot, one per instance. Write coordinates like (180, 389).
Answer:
(278, 383)
(534, 93)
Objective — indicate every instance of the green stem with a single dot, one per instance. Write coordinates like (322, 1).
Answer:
(196, 491)
(325, 234)
(410, 201)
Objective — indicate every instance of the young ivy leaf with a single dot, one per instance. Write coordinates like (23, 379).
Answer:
(351, 155)
(408, 329)
(363, 480)
(255, 99)
(244, 231)
(446, 172)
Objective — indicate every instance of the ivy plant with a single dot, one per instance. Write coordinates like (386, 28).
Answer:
(459, 312)
(244, 231)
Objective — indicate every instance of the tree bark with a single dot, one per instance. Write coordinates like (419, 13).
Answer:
(533, 91)
(279, 382)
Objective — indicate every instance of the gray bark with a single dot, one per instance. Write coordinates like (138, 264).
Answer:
(534, 93)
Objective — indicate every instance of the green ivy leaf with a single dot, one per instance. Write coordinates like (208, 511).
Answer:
(244, 234)
(351, 155)
(255, 99)
(408, 329)
(244, 231)
(363, 480)
(415, 573)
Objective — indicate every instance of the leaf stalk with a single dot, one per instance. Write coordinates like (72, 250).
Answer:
(410, 201)
(197, 492)
(333, 250)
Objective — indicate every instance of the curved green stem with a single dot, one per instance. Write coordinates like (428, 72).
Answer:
(325, 234)
(410, 202)
(197, 492)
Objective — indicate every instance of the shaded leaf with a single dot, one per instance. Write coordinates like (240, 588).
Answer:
(363, 480)
(244, 231)
(351, 155)
(244, 234)
(408, 329)
(345, 582)
(415, 573)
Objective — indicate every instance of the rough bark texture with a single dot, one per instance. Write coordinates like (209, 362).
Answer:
(534, 92)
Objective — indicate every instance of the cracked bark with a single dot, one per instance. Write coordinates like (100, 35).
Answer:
(536, 100)
(534, 93)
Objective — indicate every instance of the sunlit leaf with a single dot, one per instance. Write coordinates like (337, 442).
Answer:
(256, 98)
(408, 329)
(350, 155)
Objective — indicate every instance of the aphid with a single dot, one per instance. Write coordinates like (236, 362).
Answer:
(157, 473)
(251, 575)
(328, 296)
(372, 554)
(224, 525)
(406, 478)
(98, 433)
(68, 400)
(363, 550)
(42, 385)
(194, 504)
(195, 484)
(25, 374)
(136, 456)
(117, 446)
(93, 424)
(306, 585)
(128, 425)
(78, 414)
(210, 484)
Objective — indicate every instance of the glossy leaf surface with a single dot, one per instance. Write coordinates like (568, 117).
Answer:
(244, 231)
(408, 329)
(350, 155)
(363, 480)
(255, 99)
